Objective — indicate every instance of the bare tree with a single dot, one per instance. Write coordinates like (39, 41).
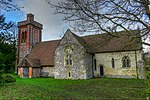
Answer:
(8, 5)
(107, 16)
(7, 29)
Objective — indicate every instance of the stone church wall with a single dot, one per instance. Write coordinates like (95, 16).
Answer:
(79, 69)
(88, 63)
(35, 72)
(47, 71)
(105, 59)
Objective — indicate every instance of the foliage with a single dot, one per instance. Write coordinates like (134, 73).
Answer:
(7, 44)
(148, 81)
(148, 88)
(106, 16)
(8, 78)
(8, 5)
(7, 56)
(49, 88)
(1, 77)
(7, 39)
(147, 61)
(148, 71)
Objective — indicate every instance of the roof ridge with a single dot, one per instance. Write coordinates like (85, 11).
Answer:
(82, 37)
(107, 33)
(82, 42)
(50, 41)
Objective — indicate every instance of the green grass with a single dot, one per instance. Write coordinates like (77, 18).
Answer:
(49, 88)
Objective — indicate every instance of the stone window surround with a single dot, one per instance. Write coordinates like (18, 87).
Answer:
(126, 62)
(68, 57)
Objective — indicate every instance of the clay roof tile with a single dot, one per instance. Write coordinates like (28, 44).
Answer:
(44, 51)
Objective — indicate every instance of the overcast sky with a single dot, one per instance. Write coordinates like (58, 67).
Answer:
(53, 26)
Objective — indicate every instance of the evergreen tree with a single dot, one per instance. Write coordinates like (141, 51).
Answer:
(7, 39)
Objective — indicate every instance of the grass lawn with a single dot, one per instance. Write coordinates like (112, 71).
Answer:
(49, 88)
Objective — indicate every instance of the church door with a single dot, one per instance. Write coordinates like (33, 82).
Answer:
(25, 72)
(101, 70)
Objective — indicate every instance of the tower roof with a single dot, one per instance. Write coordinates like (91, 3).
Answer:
(30, 20)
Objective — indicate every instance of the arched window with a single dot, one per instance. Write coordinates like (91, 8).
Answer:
(113, 63)
(68, 56)
(22, 37)
(125, 61)
(25, 35)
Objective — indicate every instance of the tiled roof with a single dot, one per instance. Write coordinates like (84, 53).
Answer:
(44, 51)
(34, 62)
(106, 43)
(82, 42)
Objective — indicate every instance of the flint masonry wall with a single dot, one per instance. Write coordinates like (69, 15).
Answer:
(79, 69)
(47, 71)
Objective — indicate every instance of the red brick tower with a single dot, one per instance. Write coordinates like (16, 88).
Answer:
(29, 32)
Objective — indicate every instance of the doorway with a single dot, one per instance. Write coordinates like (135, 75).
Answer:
(25, 72)
(101, 70)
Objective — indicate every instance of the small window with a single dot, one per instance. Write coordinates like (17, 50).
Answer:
(69, 74)
(95, 64)
(68, 57)
(113, 63)
(125, 62)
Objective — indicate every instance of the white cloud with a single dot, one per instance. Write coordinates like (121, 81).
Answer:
(43, 13)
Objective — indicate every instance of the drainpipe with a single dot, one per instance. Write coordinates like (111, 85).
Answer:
(136, 65)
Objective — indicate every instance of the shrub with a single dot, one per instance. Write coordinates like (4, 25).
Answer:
(1, 77)
(9, 78)
(11, 71)
(147, 61)
(148, 71)
(148, 89)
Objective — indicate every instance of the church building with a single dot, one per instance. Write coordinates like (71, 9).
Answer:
(77, 57)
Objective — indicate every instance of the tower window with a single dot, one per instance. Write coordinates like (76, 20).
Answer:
(113, 63)
(24, 37)
(125, 62)
(68, 57)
